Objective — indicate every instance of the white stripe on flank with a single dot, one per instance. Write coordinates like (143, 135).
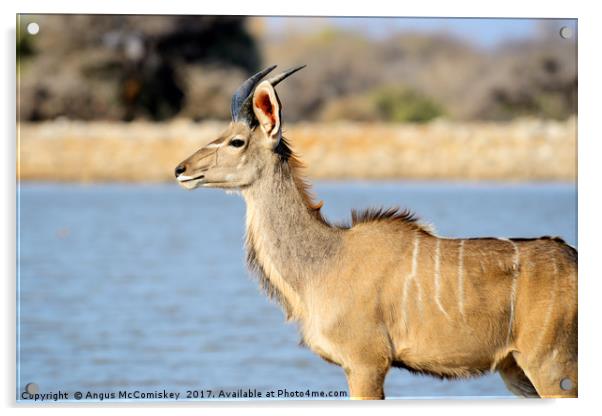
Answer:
(404, 301)
(410, 278)
(438, 277)
(515, 272)
(551, 305)
(461, 277)
(415, 255)
(415, 274)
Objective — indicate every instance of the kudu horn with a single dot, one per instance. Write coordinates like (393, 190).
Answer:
(275, 80)
(245, 90)
(242, 110)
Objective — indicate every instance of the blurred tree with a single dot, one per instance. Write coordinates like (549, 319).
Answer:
(544, 85)
(125, 67)
(24, 41)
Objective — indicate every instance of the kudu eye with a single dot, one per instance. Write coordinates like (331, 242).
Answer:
(237, 143)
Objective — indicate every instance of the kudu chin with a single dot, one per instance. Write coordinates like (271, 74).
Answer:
(385, 291)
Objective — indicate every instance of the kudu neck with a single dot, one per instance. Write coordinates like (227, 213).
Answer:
(283, 229)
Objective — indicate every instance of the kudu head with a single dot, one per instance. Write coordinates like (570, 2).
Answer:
(238, 156)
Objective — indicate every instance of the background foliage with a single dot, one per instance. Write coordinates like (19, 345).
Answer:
(87, 67)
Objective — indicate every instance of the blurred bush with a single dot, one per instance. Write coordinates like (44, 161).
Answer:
(395, 104)
(157, 67)
(405, 105)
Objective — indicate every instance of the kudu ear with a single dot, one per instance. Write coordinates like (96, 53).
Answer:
(267, 110)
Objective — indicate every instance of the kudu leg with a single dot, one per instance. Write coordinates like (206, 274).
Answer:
(553, 374)
(366, 383)
(516, 381)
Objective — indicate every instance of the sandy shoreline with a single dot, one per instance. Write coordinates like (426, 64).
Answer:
(524, 150)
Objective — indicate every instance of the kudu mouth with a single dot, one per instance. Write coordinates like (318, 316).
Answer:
(187, 179)
(190, 182)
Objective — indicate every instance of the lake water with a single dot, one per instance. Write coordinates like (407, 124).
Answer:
(144, 287)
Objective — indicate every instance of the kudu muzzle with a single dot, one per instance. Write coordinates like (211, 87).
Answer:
(193, 167)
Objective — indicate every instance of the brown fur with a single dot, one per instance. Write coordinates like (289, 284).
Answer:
(387, 292)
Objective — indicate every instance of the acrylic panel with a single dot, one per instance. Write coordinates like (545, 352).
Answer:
(136, 284)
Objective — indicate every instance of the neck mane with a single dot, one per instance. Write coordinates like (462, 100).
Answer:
(295, 165)
(288, 241)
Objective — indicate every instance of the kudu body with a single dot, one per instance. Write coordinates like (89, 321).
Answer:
(385, 291)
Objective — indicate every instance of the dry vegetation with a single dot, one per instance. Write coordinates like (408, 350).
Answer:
(160, 67)
(141, 151)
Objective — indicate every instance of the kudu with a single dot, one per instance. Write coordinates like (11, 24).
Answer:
(385, 291)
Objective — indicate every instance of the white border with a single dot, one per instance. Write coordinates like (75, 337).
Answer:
(589, 189)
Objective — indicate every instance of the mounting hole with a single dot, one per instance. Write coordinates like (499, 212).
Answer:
(32, 388)
(566, 384)
(33, 28)
(566, 32)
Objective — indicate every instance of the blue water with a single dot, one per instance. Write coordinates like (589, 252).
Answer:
(144, 287)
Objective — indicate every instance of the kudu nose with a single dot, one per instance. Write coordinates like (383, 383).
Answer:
(180, 169)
